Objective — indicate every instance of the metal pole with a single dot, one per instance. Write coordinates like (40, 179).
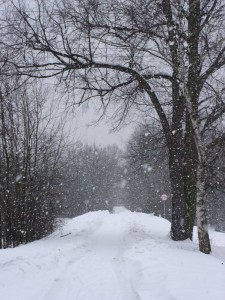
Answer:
(164, 209)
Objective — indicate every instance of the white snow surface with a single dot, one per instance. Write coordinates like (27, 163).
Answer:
(120, 256)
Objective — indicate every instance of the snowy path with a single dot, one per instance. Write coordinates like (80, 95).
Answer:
(125, 256)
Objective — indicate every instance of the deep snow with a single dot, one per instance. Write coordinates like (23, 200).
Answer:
(120, 256)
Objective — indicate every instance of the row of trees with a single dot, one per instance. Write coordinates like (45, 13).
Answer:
(115, 51)
(30, 150)
(93, 179)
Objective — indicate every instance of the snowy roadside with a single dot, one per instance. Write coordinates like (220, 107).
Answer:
(113, 257)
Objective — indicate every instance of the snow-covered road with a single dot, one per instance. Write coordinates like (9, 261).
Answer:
(124, 256)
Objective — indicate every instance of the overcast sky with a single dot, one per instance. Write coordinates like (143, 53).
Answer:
(81, 125)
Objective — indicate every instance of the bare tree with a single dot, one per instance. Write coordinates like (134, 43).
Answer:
(166, 55)
(30, 162)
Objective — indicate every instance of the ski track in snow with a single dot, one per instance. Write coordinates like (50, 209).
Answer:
(124, 256)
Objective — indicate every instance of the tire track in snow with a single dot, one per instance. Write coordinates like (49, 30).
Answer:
(94, 275)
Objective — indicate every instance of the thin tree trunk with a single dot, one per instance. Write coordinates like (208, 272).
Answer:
(190, 175)
(203, 236)
(204, 242)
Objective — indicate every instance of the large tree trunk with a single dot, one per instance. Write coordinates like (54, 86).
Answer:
(179, 212)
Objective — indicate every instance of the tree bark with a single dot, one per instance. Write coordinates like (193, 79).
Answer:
(204, 242)
(192, 91)
(190, 175)
(179, 211)
(203, 236)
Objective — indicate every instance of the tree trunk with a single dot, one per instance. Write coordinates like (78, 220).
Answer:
(179, 212)
(204, 242)
(203, 236)
(190, 175)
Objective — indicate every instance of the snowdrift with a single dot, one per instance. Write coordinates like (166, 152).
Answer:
(120, 256)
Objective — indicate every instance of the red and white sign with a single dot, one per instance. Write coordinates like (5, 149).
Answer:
(164, 197)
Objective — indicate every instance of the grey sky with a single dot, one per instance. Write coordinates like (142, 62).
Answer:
(81, 125)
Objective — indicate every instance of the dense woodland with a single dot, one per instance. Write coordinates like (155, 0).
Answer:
(163, 59)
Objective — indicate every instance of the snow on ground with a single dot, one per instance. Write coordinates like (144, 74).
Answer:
(120, 256)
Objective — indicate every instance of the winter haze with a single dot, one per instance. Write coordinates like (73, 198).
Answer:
(112, 149)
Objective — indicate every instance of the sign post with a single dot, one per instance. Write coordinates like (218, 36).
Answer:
(164, 198)
(86, 205)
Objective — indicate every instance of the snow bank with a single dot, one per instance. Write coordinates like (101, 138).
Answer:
(121, 256)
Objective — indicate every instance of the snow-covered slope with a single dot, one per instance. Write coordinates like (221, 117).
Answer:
(123, 256)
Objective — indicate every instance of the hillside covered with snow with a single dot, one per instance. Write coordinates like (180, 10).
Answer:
(120, 256)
